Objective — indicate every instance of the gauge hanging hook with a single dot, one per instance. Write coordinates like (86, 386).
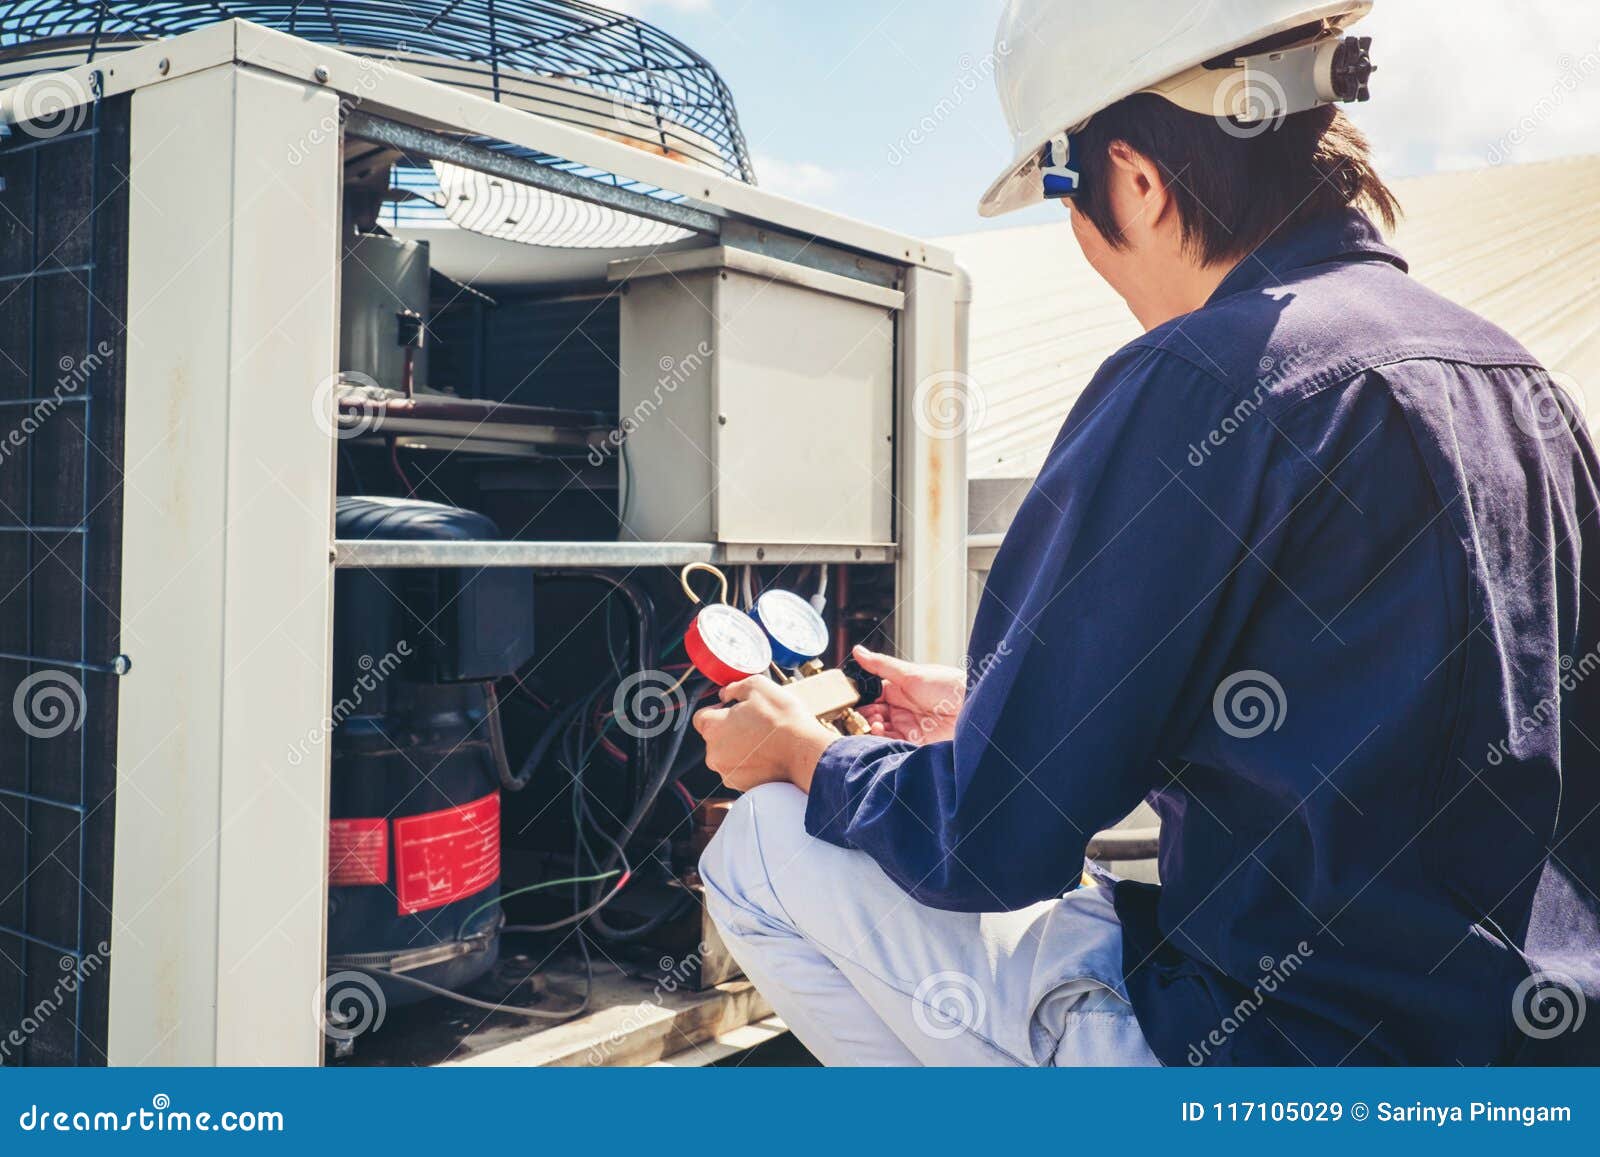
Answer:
(707, 568)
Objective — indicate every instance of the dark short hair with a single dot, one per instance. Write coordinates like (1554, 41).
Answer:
(1234, 188)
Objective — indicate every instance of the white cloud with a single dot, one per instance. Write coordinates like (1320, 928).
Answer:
(643, 7)
(1481, 82)
(801, 180)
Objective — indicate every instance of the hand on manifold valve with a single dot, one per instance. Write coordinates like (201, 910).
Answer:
(920, 701)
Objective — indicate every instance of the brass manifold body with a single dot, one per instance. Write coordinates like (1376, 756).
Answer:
(832, 695)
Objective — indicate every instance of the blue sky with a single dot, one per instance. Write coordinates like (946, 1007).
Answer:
(831, 91)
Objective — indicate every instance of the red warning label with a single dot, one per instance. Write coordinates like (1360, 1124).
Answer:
(442, 857)
(358, 852)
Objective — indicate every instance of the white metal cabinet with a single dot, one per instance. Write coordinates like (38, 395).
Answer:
(758, 401)
(220, 849)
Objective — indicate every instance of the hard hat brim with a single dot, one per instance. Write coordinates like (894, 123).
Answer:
(1021, 186)
(1018, 187)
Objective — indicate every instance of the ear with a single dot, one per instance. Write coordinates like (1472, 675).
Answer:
(1143, 202)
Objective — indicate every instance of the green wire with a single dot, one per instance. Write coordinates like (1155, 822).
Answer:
(535, 888)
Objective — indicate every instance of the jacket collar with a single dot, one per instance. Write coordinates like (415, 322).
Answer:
(1346, 236)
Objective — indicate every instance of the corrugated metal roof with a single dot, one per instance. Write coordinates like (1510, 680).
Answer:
(1519, 244)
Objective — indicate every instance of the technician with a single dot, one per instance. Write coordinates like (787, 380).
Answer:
(1313, 568)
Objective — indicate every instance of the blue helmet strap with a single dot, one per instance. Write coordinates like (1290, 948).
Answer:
(1061, 178)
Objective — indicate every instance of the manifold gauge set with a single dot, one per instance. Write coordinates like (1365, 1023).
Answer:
(783, 635)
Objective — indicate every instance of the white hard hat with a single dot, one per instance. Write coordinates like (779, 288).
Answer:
(1058, 62)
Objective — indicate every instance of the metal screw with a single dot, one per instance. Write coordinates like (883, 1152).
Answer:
(722, 419)
(163, 65)
(761, 553)
(320, 74)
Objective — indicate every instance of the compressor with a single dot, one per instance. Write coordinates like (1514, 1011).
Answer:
(418, 756)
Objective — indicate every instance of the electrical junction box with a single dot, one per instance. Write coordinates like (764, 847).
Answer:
(757, 401)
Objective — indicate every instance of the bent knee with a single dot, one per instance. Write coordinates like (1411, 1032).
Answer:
(758, 826)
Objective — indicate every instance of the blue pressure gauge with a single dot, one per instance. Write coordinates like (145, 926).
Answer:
(797, 632)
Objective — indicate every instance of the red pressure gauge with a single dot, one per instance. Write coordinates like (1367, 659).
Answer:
(727, 645)
(724, 644)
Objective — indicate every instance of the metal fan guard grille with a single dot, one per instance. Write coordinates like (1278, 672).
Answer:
(567, 60)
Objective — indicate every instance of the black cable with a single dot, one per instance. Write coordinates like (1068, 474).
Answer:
(645, 650)
(497, 743)
(535, 757)
(655, 923)
(576, 764)
(567, 921)
(642, 808)
(669, 775)
(588, 967)
(532, 1013)
(347, 460)
(583, 844)
(660, 779)
(597, 919)
(667, 915)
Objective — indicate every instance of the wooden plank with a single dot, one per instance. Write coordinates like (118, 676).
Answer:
(633, 1022)
(643, 1007)
(725, 1045)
